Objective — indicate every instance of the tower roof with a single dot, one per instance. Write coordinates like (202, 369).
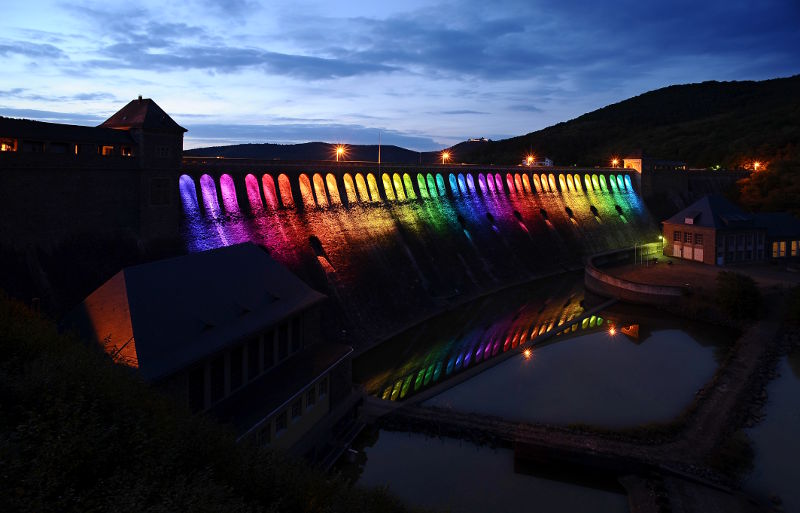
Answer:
(143, 113)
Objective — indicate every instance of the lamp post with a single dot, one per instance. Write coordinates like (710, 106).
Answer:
(445, 156)
(339, 152)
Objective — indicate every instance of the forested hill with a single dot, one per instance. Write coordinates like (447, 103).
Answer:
(726, 123)
(309, 151)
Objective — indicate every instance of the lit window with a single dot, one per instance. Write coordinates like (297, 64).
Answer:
(106, 151)
(794, 248)
(782, 249)
(297, 409)
(8, 144)
(676, 236)
(774, 250)
(126, 151)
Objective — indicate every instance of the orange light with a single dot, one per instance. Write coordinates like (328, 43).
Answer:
(612, 331)
(756, 165)
(529, 159)
(614, 162)
(445, 156)
(527, 353)
(341, 151)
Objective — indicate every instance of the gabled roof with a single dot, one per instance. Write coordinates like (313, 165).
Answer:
(164, 316)
(143, 113)
(58, 132)
(713, 211)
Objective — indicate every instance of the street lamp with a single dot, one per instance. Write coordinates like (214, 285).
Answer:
(340, 152)
(529, 160)
(445, 156)
(614, 162)
(756, 165)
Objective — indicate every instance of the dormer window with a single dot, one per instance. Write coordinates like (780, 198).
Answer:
(106, 151)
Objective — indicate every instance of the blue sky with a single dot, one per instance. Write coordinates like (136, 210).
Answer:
(426, 74)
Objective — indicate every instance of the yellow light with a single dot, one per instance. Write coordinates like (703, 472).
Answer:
(612, 331)
(341, 151)
(527, 353)
(445, 156)
(614, 162)
(756, 165)
(529, 159)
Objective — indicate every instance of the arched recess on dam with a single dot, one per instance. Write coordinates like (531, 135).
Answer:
(228, 192)
(409, 186)
(253, 193)
(287, 200)
(399, 190)
(188, 192)
(270, 192)
(374, 193)
(423, 189)
(361, 187)
(350, 189)
(388, 190)
(210, 198)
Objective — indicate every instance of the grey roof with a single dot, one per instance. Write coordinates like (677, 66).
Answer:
(186, 308)
(779, 224)
(58, 132)
(713, 211)
(143, 113)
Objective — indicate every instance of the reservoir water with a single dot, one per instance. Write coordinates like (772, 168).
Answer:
(775, 439)
(452, 475)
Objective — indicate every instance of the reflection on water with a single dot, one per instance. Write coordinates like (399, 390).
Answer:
(597, 378)
(776, 441)
(458, 476)
(391, 261)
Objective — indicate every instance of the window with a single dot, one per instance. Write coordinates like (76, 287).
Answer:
(269, 350)
(8, 144)
(237, 357)
(297, 408)
(217, 379)
(126, 151)
(162, 151)
(323, 387)
(698, 238)
(297, 334)
(687, 238)
(252, 358)
(311, 397)
(280, 422)
(676, 236)
(33, 146)
(283, 341)
(106, 151)
(57, 148)
(782, 249)
(197, 389)
(774, 250)
(263, 438)
(794, 247)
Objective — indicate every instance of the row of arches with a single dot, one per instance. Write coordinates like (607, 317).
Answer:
(318, 190)
(484, 348)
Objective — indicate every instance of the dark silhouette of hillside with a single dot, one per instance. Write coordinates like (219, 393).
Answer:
(712, 123)
(725, 123)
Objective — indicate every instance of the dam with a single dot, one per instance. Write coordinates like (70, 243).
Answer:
(396, 244)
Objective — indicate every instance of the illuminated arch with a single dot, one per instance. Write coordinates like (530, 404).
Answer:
(490, 183)
(576, 180)
(253, 193)
(611, 184)
(603, 182)
(350, 188)
(536, 183)
(387, 187)
(227, 190)
(285, 188)
(453, 184)
(306, 193)
(588, 181)
(628, 182)
(209, 192)
(270, 194)
(551, 179)
(620, 182)
(423, 189)
(188, 192)
(498, 181)
(482, 183)
(432, 190)
(518, 183)
(410, 194)
(526, 183)
(333, 189)
(319, 190)
(595, 183)
(510, 183)
(471, 182)
(545, 184)
(440, 185)
(400, 194)
(361, 188)
(562, 182)
(462, 184)
(374, 194)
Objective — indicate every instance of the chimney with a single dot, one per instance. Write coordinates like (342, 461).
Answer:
(140, 98)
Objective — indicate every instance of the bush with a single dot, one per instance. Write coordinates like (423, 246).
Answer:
(78, 433)
(737, 295)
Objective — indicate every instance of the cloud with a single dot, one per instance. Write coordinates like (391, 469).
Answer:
(52, 116)
(459, 112)
(213, 134)
(26, 94)
(31, 50)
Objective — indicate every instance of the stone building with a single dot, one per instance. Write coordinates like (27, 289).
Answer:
(232, 334)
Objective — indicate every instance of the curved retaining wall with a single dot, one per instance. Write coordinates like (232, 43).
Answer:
(604, 284)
